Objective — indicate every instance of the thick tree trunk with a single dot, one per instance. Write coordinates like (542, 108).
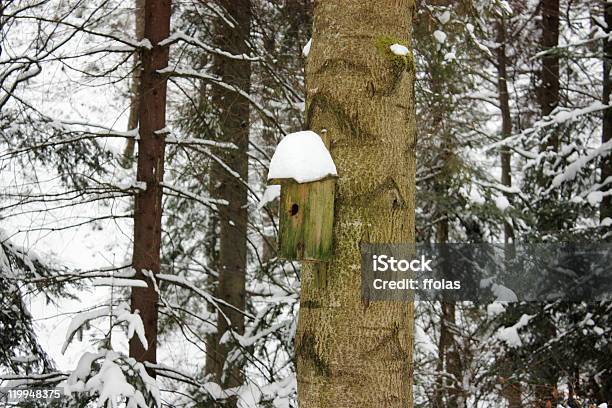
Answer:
(128, 153)
(605, 209)
(148, 206)
(233, 116)
(352, 353)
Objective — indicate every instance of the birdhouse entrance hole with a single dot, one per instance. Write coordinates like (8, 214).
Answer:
(294, 209)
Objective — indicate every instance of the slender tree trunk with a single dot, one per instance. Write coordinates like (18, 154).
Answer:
(212, 255)
(605, 209)
(440, 389)
(549, 76)
(352, 353)
(233, 117)
(128, 153)
(510, 390)
(512, 394)
(548, 93)
(449, 359)
(504, 104)
(148, 206)
(448, 390)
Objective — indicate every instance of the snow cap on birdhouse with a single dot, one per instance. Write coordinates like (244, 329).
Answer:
(304, 168)
(302, 157)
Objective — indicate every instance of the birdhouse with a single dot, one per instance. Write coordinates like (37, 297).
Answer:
(303, 167)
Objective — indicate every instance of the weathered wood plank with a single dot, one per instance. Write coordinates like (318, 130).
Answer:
(306, 220)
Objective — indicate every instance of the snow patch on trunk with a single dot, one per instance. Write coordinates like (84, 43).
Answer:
(306, 49)
(399, 49)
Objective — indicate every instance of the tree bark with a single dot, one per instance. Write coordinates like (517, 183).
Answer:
(605, 209)
(551, 218)
(449, 359)
(352, 353)
(504, 104)
(549, 221)
(128, 153)
(151, 146)
(549, 75)
(233, 116)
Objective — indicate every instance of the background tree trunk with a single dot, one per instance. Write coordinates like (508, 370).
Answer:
(148, 206)
(351, 353)
(510, 388)
(605, 209)
(128, 153)
(545, 373)
(504, 105)
(549, 75)
(233, 113)
(449, 360)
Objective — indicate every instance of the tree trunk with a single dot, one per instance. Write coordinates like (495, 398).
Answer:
(548, 93)
(449, 359)
(128, 153)
(551, 218)
(605, 209)
(504, 104)
(233, 116)
(148, 206)
(549, 75)
(352, 353)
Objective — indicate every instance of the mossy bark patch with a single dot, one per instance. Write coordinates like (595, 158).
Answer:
(400, 62)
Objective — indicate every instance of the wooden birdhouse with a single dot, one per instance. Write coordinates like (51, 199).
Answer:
(303, 167)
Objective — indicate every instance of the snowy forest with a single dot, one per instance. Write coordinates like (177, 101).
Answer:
(141, 209)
